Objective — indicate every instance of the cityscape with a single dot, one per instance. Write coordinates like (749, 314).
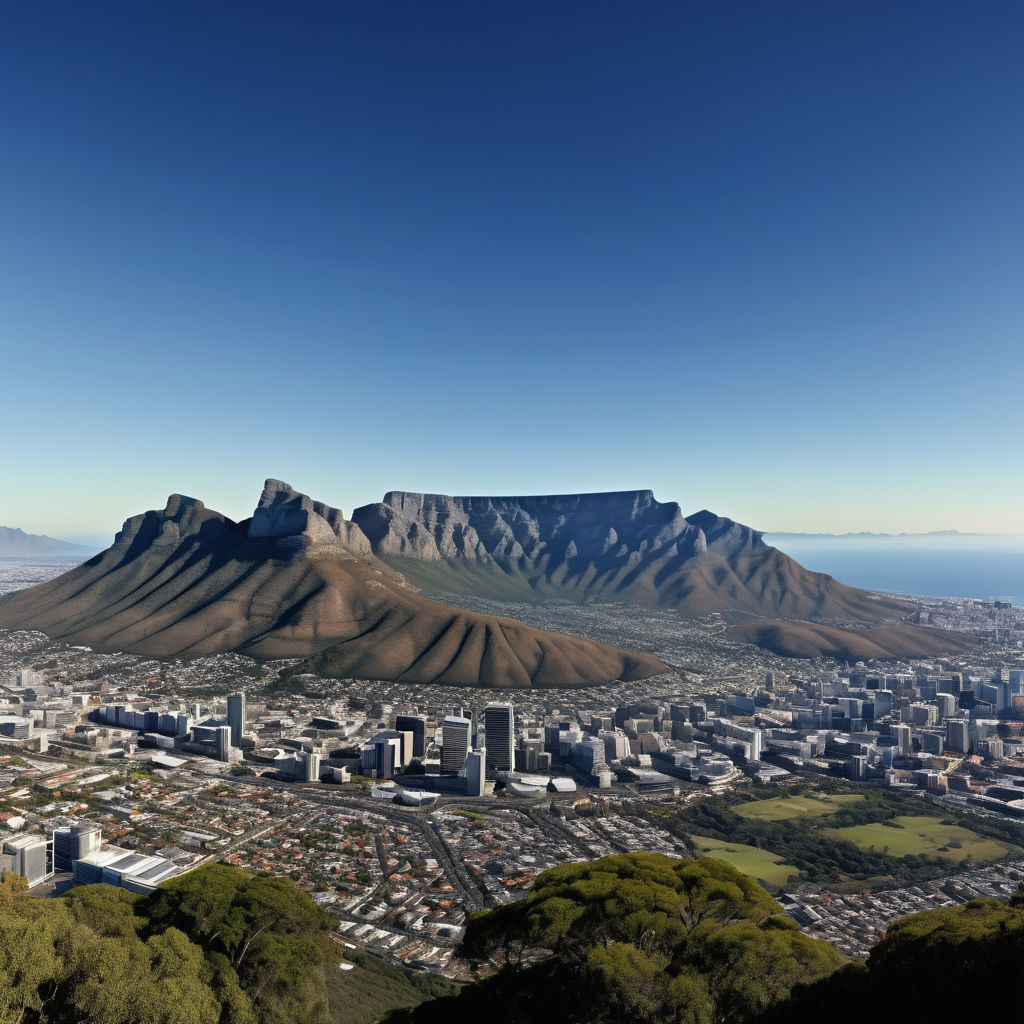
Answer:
(401, 809)
(509, 512)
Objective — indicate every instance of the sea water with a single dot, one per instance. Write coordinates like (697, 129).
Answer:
(957, 565)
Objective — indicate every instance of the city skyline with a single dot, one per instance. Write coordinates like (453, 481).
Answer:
(764, 262)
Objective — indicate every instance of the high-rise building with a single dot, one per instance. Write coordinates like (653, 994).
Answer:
(454, 743)
(904, 736)
(499, 728)
(28, 856)
(384, 752)
(309, 762)
(222, 742)
(589, 755)
(73, 842)
(476, 771)
(417, 725)
(551, 733)
(236, 718)
(958, 735)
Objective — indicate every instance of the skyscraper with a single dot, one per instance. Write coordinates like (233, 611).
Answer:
(222, 742)
(455, 743)
(417, 725)
(309, 766)
(499, 728)
(236, 718)
(475, 772)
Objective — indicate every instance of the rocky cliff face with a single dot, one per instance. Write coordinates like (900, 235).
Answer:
(295, 581)
(619, 546)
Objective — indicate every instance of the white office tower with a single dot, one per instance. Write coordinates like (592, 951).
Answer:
(222, 742)
(455, 744)
(309, 763)
(236, 718)
(499, 729)
(26, 856)
(475, 771)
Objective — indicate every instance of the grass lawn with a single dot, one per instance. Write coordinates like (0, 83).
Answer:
(749, 859)
(786, 808)
(925, 835)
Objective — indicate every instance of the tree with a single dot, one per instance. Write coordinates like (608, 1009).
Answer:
(639, 937)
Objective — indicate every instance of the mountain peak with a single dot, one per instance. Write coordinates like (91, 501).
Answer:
(179, 504)
(286, 514)
(295, 581)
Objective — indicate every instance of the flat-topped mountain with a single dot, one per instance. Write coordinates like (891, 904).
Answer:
(297, 580)
(15, 543)
(618, 546)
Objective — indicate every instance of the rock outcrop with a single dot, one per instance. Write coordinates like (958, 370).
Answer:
(622, 546)
(295, 581)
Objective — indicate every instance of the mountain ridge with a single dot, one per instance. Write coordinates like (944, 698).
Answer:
(296, 580)
(611, 546)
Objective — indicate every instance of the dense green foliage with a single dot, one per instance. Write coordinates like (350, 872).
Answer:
(810, 844)
(945, 964)
(639, 937)
(212, 947)
(366, 994)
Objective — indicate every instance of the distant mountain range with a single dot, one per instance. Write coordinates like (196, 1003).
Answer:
(294, 581)
(16, 543)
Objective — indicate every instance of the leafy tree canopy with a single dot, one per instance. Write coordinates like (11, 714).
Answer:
(212, 947)
(639, 937)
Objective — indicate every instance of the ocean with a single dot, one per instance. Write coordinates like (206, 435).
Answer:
(962, 565)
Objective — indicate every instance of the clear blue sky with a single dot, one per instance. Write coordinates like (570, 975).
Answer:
(765, 258)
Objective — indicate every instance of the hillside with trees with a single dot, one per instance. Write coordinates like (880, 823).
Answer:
(215, 946)
(638, 938)
(635, 937)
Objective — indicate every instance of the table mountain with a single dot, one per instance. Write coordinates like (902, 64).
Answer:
(297, 580)
(622, 546)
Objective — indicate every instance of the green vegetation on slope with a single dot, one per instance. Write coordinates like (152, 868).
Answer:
(939, 965)
(214, 946)
(367, 993)
(635, 937)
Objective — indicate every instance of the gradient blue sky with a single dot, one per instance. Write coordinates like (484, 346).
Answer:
(764, 258)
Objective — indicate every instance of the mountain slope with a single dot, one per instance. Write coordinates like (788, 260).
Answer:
(15, 543)
(809, 640)
(295, 581)
(620, 546)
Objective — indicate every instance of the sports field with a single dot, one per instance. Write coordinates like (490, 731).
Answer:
(787, 808)
(748, 859)
(917, 835)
